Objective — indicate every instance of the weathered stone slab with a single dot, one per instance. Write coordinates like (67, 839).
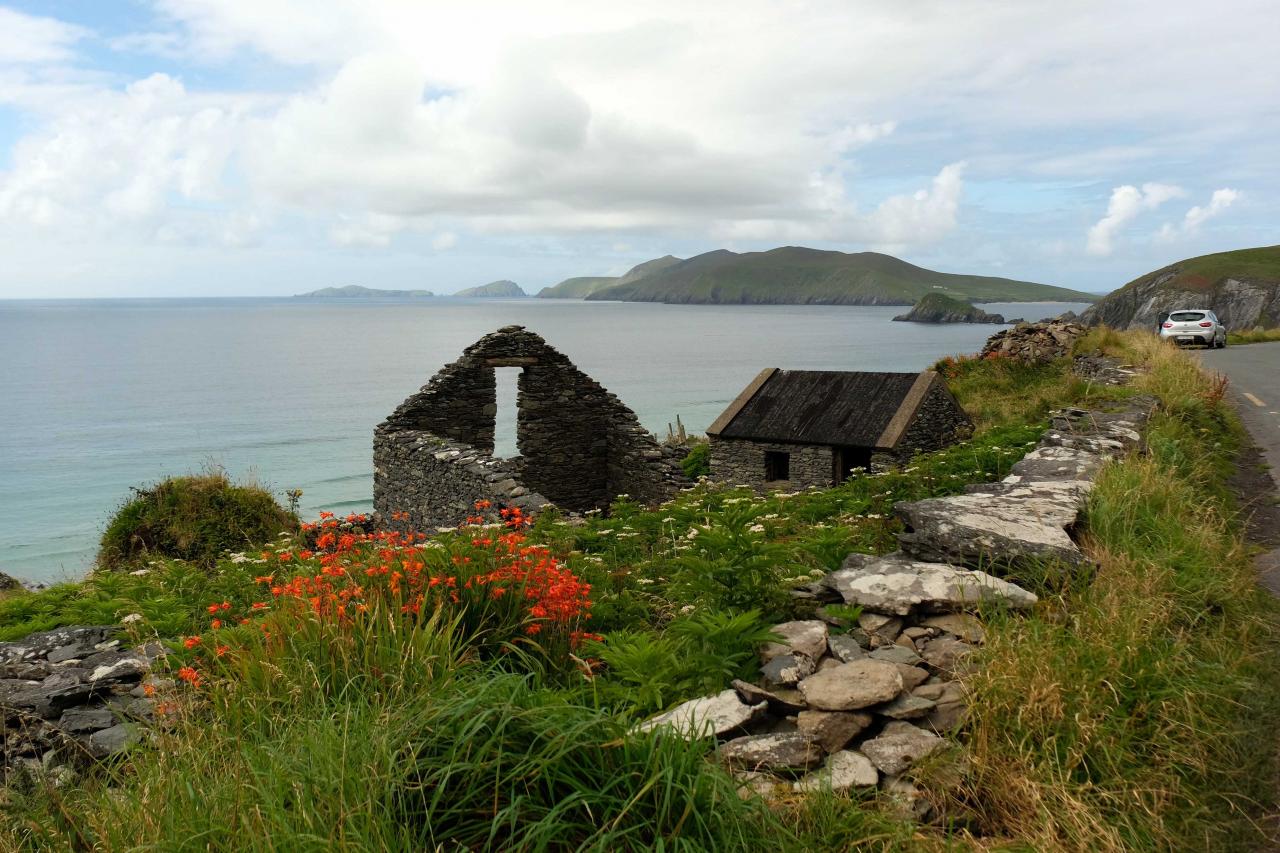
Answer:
(908, 706)
(707, 716)
(845, 648)
(962, 625)
(899, 746)
(784, 752)
(844, 770)
(1056, 463)
(899, 584)
(1009, 523)
(852, 686)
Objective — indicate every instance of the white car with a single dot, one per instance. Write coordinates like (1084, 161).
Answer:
(1194, 326)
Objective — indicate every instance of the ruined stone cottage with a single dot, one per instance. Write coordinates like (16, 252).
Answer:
(801, 428)
(579, 446)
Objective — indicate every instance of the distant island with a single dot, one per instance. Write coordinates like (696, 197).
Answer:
(355, 291)
(503, 289)
(798, 275)
(936, 308)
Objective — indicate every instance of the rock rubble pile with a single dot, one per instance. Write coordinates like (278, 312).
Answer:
(73, 694)
(1034, 343)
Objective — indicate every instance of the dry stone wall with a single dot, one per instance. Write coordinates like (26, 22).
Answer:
(579, 446)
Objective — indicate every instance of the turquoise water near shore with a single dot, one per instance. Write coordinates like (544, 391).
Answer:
(97, 396)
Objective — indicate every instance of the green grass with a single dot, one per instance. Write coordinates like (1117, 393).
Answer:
(1254, 336)
(1134, 709)
(1137, 711)
(1261, 263)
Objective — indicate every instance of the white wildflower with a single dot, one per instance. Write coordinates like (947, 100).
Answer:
(756, 528)
(141, 572)
(131, 618)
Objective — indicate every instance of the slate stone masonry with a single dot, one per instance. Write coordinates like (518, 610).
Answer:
(580, 447)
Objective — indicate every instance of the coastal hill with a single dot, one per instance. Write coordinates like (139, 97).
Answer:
(936, 308)
(1242, 287)
(794, 274)
(355, 291)
(583, 286)
(495, 289)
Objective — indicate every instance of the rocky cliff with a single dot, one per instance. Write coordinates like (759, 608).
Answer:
(937, 308)
(1241, 287)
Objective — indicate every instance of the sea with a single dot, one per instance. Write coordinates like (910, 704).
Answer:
(98, 397)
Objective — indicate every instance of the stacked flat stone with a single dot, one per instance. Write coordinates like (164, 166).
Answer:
(1034, 343)
(580, 446)
(72, 694)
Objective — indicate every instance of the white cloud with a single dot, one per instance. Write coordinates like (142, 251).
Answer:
(1220, 201)
(444, 241)
(1126, 203)
(31, 39)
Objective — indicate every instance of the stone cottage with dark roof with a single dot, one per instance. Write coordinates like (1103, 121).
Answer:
(801, 428)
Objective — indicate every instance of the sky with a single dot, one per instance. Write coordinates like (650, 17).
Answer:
(267, 147)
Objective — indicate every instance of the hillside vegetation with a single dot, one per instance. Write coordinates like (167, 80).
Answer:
(799, 275)
(580, 288)
(1242, 287)
(388, 693)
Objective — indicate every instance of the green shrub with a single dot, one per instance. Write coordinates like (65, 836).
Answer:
(698, 462)
(195, 518)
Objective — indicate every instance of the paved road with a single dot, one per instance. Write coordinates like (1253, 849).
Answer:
(1254, 371)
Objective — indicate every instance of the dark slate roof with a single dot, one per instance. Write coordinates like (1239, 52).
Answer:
(821, 407)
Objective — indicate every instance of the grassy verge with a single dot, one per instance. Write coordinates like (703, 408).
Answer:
(384, 695)
(1261, 336)
(1137, 711)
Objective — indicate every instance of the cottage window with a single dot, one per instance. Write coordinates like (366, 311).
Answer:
(777, 465)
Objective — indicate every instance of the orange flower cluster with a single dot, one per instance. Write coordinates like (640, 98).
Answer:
(500, 584)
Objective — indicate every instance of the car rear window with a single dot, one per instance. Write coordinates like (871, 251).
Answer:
(1186, 316)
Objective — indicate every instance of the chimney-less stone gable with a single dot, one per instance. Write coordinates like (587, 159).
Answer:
(579, 446)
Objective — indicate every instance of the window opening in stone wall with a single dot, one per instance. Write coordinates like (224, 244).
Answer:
(504, 436)
(849, 460)
(777, 465)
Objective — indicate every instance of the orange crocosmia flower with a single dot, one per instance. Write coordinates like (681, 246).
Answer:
(191, 642)
(213, 608)
(263, 579)
(189, 675)
(259, 605)
(221, 650)
(148, 690)
(216, 623)
(533, 629)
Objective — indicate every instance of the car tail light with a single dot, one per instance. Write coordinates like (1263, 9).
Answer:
(1167, 325)
(1206, 324)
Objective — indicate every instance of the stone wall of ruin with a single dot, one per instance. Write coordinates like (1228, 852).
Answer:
(741, 462)
(579, 445)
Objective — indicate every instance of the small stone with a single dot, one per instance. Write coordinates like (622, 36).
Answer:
(845, 648)
(908, 706)
(896, 654)
(827, 663)
(912, 675)
(844, 770)
(776, 752)
(787, 670)
(752, 783)
(807, 637)
(86, 719)
(832, 729)
(906, 800)
(878, 625)
(780, 700)
(915, 632)
(946, 654)
(112, 740)
(899, 746)
(964, 626)
(851, 686)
